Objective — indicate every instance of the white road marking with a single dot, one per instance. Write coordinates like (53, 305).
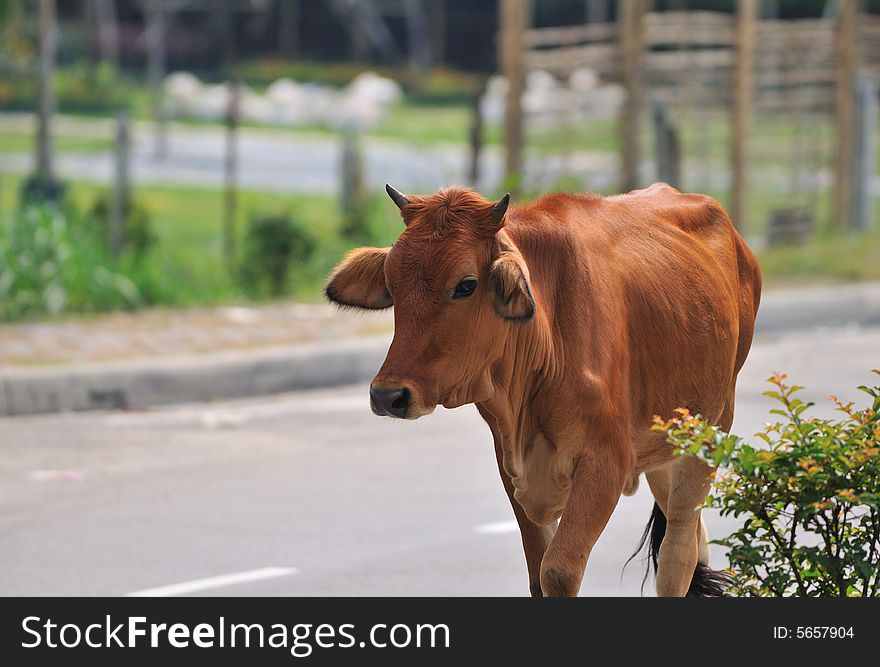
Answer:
(213, 582)
(497, 528)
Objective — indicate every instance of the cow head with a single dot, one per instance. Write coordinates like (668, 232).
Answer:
(457, 284)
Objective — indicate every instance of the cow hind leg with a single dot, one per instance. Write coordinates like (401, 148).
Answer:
(676, 537)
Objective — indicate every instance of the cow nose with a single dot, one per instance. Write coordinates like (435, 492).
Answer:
(391, 402)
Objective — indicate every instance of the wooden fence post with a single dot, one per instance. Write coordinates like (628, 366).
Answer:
(667, 147)
(48, 37)
(289, 12)
(865, 147)
(746, 13)
(156, 71)
(230, 196)
(846, 48)
(476, 133)
(118, 205)
(597, 11)
(631, 43)
(353, 196)
(515, 19)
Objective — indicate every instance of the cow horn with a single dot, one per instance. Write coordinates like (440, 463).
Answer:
(397, 196)
(500, 208)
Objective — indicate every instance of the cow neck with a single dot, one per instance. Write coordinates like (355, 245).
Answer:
(526, 369)
(528, 365)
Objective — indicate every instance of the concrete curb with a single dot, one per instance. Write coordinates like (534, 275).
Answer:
(142, 384)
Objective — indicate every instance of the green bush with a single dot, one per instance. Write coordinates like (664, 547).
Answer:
(35, 191)
(809, 499)
(48, 267)
(273, 243)
(137, 232)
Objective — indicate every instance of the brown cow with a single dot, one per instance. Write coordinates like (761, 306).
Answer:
(569, 322)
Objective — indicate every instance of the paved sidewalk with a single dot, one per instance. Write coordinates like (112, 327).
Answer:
(159, 333)
(157, 357)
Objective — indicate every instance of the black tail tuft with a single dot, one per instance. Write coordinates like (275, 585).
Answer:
(653, 537)
(708, 583)
(705, 583)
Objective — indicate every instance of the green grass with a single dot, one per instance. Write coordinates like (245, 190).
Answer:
(188, 225)
(598, 135)
(15, 142)
(423, 125)
(188, 222)
(847, 258)
(412, 123)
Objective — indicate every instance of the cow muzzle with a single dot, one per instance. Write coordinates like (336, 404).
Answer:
(390, 401)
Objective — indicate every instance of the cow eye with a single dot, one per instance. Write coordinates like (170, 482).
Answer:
(464, 289)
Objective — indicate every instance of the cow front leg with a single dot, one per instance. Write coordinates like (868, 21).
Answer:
(596, 487)
(535, 538)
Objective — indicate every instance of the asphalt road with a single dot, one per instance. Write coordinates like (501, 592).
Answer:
(283, 161)
(310, 494)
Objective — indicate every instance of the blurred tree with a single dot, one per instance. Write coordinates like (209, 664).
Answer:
(8, 8)
(107, 29)
(436, 19)
(367, 27)
(42, 184)
(155, 13)
(288, 27)
(597, 11)
(46, 101)
(417, 35)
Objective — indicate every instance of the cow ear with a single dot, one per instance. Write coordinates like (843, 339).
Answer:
(509, 279)
(358, 281)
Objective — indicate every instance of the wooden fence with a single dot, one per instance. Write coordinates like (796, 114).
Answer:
(698, 49)
(687, 60)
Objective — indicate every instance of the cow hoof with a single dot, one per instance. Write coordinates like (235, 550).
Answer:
(558, 584)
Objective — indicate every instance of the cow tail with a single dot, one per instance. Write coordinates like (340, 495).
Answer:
(652, 536)
(706, 582)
